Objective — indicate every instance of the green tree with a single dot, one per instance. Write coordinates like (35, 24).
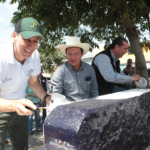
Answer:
(89, 20)
(50, 62)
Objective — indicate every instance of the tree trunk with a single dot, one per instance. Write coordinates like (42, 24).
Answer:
(136, 67)
(137, 50)
(133, 37)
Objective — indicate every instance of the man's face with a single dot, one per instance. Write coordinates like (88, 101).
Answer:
(128, 69)
(23, 48)
(74, 56)
(120, 51)
(129, 62)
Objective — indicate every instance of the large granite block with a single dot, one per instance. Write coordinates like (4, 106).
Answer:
(100, 124)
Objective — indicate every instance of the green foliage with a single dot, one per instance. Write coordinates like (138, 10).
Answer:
(86, 19)
(52, 60)
(145, 44)
(3, 1)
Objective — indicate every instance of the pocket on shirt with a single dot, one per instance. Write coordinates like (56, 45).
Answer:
(87, 86)
(69, 85)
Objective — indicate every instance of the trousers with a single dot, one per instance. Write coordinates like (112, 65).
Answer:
(17, 127)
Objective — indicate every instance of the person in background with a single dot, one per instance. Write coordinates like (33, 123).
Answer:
(128, 70)
(44, 82)
(8, 139)
(129, 62)
(36, 100)
(51, 88)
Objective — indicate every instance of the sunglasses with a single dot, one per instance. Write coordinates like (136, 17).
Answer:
(129, 61)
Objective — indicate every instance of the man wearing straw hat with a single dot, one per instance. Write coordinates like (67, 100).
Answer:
(75, 79)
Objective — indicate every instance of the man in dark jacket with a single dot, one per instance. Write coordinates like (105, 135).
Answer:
(110, 77)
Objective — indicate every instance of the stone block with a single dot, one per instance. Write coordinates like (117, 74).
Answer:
(100, 124)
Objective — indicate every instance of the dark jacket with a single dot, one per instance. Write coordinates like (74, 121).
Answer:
(105, 87)
(43, 83)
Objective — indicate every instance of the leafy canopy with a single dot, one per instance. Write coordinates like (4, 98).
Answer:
(86, 19)
(50, 62)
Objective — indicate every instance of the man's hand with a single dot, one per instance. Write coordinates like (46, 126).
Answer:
(19, 106)
(135, 77)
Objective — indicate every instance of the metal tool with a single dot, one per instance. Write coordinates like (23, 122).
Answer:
(42, 107)
(37, 108)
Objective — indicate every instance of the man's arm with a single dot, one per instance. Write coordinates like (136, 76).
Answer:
(122, 72)
(134, 77)
(57, 81)
(38, 89)
(109, 74)
(16, 106)
(94, 87)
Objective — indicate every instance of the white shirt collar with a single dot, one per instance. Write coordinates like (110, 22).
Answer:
(113, 56)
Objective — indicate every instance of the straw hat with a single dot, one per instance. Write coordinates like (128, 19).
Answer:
(73, 41)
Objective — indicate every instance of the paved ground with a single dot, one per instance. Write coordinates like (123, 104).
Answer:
(35, 140)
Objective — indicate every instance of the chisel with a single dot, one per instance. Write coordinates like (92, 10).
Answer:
(37, 108)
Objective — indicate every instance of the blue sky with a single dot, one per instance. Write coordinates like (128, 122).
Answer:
(6, 13)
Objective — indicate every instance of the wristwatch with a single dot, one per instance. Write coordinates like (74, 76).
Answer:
(44, 100)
